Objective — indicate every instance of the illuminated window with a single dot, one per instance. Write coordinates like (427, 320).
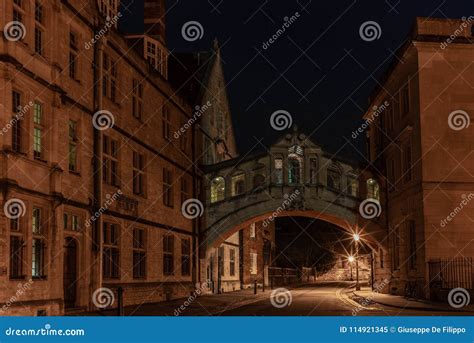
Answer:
(373, 189)
(217, 189)
(238, 184)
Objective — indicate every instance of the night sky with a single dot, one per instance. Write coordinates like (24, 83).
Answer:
(326, 88)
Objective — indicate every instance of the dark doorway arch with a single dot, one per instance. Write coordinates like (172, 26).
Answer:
(70, 272)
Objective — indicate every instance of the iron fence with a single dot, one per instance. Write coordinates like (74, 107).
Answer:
(452, 273)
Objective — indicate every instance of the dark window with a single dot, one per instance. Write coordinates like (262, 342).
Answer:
(258, 180)
(407, 163)
(73, 55)
(167, 188)
(405, 99)
(186, 257)
(110, 161)
(109, 78)
(16, 257)
(313, 171)
(137, 99)
(138, 173)
(72, 145)
(232, 262)
(334, 179)
(38, 244)
(139, 254)
(16, 120)
(294, 170)
(184, 190)
(111, 251)
(38, 41)
(168, 255)
(166, 123)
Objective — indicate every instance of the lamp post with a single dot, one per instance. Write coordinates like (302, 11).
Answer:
(356, 237)
(351, 260)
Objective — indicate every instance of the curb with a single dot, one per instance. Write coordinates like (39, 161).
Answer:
(416, 308)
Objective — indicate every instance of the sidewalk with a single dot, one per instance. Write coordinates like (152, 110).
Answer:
(205, 305)
(403, 303)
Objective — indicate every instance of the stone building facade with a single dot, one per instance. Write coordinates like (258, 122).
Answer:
(88, 161)
(421, 143)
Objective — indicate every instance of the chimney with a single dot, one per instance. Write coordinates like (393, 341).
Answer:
(154, 19)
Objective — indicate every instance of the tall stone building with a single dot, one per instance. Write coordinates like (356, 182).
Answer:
(421, 145)
(92, 177)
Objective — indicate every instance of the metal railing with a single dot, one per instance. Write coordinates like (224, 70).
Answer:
(452, 273)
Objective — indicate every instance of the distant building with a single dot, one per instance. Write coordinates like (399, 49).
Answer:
(420, 144)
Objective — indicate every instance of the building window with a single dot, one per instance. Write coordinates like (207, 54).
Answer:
(391, 175)
(407, 163)
(72, 146)
(253, 263)
(18, 11)
(258, 180)
(184, 190)
(109, 8)
(389, 119)
(166, 123)
(186, 257)
(38, 130)
(139, 254)
(137, 99)
(156, 56)
(232, 262)
(38, 244)
(16, 250)
(111, 251)
(168, 188)
(313, 171)
(405, 99)
(73, 55)
(168, 255)
(183, 139)
(110, 161)
(71, 222)
(412, 243)
(373, 189)
(238, 184)
(278, 170)
(16, 120)
(294, 169)
(217, 189)
(39, 28)
(334, 179)
(138, 173)
(109, 81)
(352, 186)
(252, 230)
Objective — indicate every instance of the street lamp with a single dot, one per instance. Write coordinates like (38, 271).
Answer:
(356, 237)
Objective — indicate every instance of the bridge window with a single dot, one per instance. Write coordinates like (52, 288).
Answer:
(373, 189)
(278, 170)
(352, 185)
(294, 168)
(217, 189)
(258, 180)
(238, 184)
(334, 179)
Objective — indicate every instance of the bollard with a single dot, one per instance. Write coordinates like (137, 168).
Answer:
(255, 287)
(120, 301)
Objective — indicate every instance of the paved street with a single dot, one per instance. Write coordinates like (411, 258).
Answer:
(320, 299)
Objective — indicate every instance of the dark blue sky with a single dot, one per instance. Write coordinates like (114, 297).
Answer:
(326, 88)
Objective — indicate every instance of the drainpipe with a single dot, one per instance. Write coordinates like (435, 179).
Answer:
(96, 277)
(196, 275)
